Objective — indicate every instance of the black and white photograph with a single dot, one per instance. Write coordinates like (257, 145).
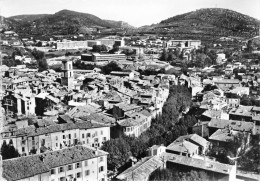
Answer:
(130, 90)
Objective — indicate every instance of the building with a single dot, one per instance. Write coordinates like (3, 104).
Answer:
(46, 135)
(67, 78)
(225, 84)
(142, 169)
(77, 44)
(97, 57)
(78, 163)
(183, 43)
(216, 170)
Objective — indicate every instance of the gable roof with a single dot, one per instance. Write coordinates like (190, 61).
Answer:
(141, 170)
(24, 167)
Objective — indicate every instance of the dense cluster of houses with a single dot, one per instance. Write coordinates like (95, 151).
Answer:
(49, 112)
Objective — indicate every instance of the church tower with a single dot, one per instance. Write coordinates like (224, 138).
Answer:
(67, 78)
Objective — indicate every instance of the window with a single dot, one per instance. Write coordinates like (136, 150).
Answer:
(63, 136)
(96, 133)
(61, 169)
(82, 136)
(53, 171)
(23, 149)
(69, 136)
(87, 173)
(78, 165)
(101, 159)
(101, 132)
(101, 169)
(88, 135)
(62, 178)
(33, 138)
(86, 163)
(75, 135)
(78, 175)
(104, 139)
(87, 141)
(56, 144)
(70, 167)
(96, 140)
(56, 138)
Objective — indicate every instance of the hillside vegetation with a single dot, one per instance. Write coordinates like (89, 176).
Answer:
(206, 24)
(64, 22)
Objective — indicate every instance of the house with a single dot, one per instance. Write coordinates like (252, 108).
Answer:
(135, 125)
(225, 84)
(240, 126)
(78, 163)
(215, 170)
(119, 110)
(197, 140)
(142, 169)
(123, 74)
(156, 150)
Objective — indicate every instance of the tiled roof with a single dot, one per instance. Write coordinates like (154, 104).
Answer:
(201, 164)
(24, 167)
(32, 131)
(182, 146)
(235, 125)
(113, 96)
(100, 118)
(194, 137)
(242, 111)
(222, 135)
(85, 110)
(127, 122)
(141, 170)
(212, 113)
(127, 107)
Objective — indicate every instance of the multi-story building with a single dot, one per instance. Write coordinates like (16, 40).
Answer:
(183, 43)
(77, 44)
(31, 139)
(77, 163)
(97, 57)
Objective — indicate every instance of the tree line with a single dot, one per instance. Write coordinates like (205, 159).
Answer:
(164, 130)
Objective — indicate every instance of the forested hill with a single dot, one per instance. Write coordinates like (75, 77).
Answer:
(28, 18)
(209, 22)
(63, 22)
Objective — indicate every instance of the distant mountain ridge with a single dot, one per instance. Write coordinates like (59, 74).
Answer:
(120, 24)
(204, 24)
(63, 22)
(208, 22)
(29, 18)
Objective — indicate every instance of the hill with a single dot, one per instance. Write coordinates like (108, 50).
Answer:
(27, 18)
(7, 24)
(120, 24)
(206, 24)
(63, 22)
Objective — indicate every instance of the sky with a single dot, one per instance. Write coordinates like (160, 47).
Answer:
(135, 12)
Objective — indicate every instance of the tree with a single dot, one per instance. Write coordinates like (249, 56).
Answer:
(99, 48)
(38, 54)
(8, 151)
(164, 55)
(119, 152)
(43, 65)
(112, 66)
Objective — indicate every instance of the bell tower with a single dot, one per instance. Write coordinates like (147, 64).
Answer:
(67, 78)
